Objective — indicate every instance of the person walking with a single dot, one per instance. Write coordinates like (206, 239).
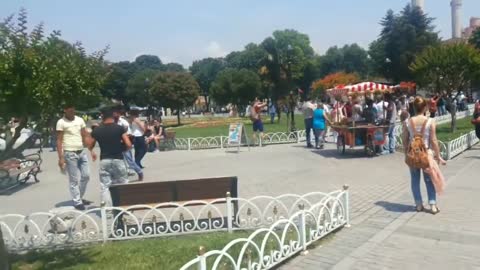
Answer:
(422, 127)
(476, 118)
(391, 119)
(138, 133)
(307, 109)
(272, 110)
(113, 141)
(72, 158)
(256, 117)
(127, 153)
(433, 106)
(319, 124)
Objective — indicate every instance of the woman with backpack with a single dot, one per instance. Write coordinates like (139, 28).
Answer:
(422, 154)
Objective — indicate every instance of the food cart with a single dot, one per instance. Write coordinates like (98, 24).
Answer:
(355, 133)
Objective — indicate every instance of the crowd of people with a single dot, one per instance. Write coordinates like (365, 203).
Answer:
(123, 139)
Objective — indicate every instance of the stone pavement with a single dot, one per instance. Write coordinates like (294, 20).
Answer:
(385, 232)
(391, 235)
(270, 170)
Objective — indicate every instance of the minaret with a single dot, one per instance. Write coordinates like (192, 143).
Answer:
(419, 3)
(456, 18)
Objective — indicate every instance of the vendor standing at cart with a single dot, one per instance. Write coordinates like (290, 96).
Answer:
(391, 118)
(381, 107)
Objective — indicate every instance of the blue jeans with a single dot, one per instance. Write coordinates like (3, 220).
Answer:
(308, 130)
(112, 171)
(78, 174)
(391, 138)
(140, 149)
(128, 156)
(417, 194)
(272, 118)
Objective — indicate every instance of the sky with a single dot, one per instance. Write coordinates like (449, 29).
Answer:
(186, 30)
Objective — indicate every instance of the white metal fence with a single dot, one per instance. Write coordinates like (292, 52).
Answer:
(70, 227)
(199, 143)
(268, 247)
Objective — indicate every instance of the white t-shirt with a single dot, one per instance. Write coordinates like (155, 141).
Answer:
(136, 130)
(72, 133)
(124, 123)
(379, 106)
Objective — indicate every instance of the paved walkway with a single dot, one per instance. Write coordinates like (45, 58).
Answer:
(385, 232)
(391, 235)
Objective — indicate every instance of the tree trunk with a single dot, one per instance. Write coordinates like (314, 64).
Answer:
(207, 104)
(4, 264)
(453, 112)
(178, 116)
(9, 151)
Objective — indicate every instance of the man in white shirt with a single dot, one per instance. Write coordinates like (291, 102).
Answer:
(308, 108)
(127, 154)
(72, 157)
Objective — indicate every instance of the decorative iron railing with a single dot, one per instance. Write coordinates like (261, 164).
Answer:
(268, 247)
(69, 227)
(199, 143)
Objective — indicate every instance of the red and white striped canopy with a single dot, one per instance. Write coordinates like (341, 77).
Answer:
(360, 88)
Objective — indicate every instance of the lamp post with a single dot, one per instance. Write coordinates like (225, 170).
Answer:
(292, 102)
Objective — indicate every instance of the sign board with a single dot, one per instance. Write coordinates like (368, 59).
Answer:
(237, 135)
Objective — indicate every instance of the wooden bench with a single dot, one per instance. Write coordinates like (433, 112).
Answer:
(14, 172)
(179, 192)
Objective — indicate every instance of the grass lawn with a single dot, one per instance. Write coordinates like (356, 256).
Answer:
(463, 127)
(166, 253)
(161, 253)
(219, 126)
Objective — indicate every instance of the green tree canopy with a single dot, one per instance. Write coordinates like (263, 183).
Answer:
(402, 37)
(138, 89)
(175, 90)
(205, 71)
(350, 58)
(448, 67)
(475, 39)
(174, 67)
(39, 74)
(236, 86)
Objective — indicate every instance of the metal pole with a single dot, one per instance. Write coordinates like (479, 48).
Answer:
(103, 213)
(202, 260)
(303, 230)
(347, 205)
(229, 213)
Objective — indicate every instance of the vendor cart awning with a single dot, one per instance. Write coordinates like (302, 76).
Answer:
(364, 87)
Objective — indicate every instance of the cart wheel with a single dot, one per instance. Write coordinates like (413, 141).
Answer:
(370, 146)
(341, 144)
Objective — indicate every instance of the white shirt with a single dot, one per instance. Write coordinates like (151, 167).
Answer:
(72, 133)
(124, 123)
(136, 130)
(379, 106)
(308, 108)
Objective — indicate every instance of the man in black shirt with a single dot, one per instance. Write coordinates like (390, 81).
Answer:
(113, 141)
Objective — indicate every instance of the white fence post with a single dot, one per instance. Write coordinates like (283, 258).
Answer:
(221, 142)
(449, 150)
(260, 140)
(347, 205)
(229, 213)
(298, 136)
(103, 216)
(303, 230)
(189, 145)
(202, 260)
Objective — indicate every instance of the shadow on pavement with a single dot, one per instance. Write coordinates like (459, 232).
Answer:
(396, 207)
(64, 203)
(349, 153)
(14, 188)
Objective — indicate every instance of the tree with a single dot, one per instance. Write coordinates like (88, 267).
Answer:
(350, 58)
(449, 67)
(475, 39)
(117, 81)
(205, 71)
(174, 90)
(250, 58)
(138, 89)
(38, 75)
(236, 86)
(402, 37)
(174, 67)
(333, 80)
(149, 62)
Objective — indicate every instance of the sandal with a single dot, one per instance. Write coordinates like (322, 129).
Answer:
(437, 210)
(420, 208)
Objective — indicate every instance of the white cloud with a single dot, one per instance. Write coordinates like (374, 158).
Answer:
(215, 50)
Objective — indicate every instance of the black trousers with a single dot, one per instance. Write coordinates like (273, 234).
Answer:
(140, 147)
